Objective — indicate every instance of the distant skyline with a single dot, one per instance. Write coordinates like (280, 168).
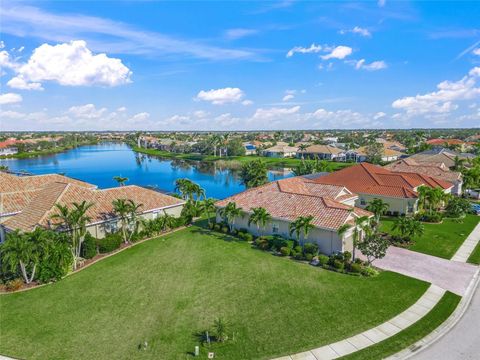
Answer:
(168, 65)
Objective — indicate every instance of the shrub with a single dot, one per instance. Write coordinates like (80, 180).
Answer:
(431, 216)
(263, 244)
(243, 230)
(109, 243)
(285, 251)
(248, 237)
(234, 232)
(310, 248)
(14, 285)
(355, 268)
(308, 257)
(369, 271)
(217, 227)
(322, 260)
(211, 225)
(278, 242)
(458, 207)
(55, 262)
(347, 256)
(298, 249)
(299, 256)
(241, 235)
(338, 265)
(225, 229)
(358, 261)
(89, 246)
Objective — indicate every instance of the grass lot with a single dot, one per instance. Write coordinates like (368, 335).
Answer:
(441, 240)
(166, 290)
(271, 162)
(475, 256)
(412, 334)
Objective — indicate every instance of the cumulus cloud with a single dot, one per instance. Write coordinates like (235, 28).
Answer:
(69, 64)
(221, 96)
(88, 111)
(247, 102)
(340, 52)
(10, 98)
(357, 30)
(274, 112)
(373, 66)
(304, 50)
(379, 115)
(140, 116)
(238, 33)
(476, 51)
(442, 100)
(288, 97)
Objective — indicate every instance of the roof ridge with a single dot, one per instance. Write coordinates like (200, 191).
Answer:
(67, 185)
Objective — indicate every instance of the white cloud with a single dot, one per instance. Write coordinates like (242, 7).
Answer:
(20, 83)
(2, 44)
(140, 116)
(247, 102)
(238, 33)
(88, 111)
(6, 61)
(442, 100)
(121, 109)
(9, 114)
(226, 120)
(357, 30)
(373, 66)
(304, 50)
(379, 115)
(340, 52)
(288, 97)
(10, 98)
(200, 114)
(102, 33)
(221, 96)
(71, 64)
(476, 51)
(275, 112)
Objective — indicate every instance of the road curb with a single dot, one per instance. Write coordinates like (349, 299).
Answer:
(445, 327)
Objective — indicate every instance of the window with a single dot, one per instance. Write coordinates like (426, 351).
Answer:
(362, 201)
(275, 228)
(111, 226)
(410, 208)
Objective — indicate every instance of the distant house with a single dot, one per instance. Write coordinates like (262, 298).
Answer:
(250, 149)
(280, 151)
(285, 200)
(397, 189)
(8, 147)
(440, 143)
(440, 156)
(326, 152)
(28, 202)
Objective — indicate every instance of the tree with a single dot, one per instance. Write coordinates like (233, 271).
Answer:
(120, 180)
(458, 163)
(126, 211)
(360, 224)
(189, 190)
(378, 207)
(208, 206)
(374, 152)
(259, 217)
(301, 149)
(303, 224)
(19, 251)
(373, 247)
(229, 213)
(74, 221)
(235, 148)
(458, 207)
(423, 194)
(254, 173)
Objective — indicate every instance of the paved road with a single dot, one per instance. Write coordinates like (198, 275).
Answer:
(460, 343)
(449, 275)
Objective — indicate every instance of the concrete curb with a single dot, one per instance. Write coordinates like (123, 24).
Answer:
(445, 327)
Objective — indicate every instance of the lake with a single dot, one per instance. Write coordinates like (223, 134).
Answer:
(98, 164)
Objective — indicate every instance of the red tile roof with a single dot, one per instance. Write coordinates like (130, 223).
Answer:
(444, 141)
(436, 170)
(371, 179)
(290, 198)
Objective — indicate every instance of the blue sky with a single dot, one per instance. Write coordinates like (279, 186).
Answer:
(178, 65)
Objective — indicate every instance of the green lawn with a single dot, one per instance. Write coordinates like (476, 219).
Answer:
(412, 334)
(475, 256)
(166, 290)
(441, 240)
(271, 162)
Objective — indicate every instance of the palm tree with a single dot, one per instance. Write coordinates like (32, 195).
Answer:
(126, 211)
(229, 213)
(378, 207)
(120, 180)
(423, 195)
(259, 217)
(458, 163)
(208, 206)
(4, 168)
(416, 228)
(307, 225)
(303, 224)
(302, 148)
(360, 225)
(296, 227)
(436, 197)
(74, 221)
(188, 189)
(401, 225)
(19, 251)
(408, 227)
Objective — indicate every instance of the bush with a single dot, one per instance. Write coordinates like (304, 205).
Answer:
(458, 207)
(285, 251)
(358, 261)
(225, 229)
(241, 235)
(89, 246)
(14, 285)
(55, 262)
(338, 265)
(308, 257)
(298, 249)
(211, 226)
(369, 271)
(355, 268)
(234, 232)
(431, 217)
(277, 242)
(217, 227)
(248, 237)
(243, 230)
(299, 256)
(310, 248)
(322, 260)
(109, 243)
(347, 256)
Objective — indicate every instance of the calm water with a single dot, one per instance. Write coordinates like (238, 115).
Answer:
(98, 164)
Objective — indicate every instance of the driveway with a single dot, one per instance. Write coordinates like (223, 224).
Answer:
(460, 343)
(449, 275)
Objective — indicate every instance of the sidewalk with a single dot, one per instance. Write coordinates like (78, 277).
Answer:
(463, 253)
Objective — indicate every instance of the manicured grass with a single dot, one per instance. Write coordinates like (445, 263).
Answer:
(441, 240)
(412, 334)
(475, 256)
(270, 162)
(166, 290)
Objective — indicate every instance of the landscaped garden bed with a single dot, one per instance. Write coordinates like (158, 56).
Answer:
(156, 299)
